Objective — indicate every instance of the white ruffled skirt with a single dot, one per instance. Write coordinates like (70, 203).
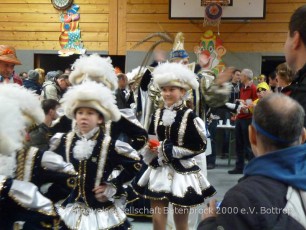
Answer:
(78, 216)
(166, 183)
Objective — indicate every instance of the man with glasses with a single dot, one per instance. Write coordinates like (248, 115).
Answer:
(56, 87)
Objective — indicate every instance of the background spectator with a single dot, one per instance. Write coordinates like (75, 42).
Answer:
(8, 60)
(272, 192)
(32, 82)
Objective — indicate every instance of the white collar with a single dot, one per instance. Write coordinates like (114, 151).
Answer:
(88, 135)
(177, 104)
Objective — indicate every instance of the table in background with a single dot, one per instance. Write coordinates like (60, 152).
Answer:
(231, 140)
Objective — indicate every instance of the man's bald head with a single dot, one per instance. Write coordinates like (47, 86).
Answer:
(279, 121)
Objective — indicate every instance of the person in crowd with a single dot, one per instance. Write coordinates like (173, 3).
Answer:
(263, 89)
(21, 203)
(56, 87)
(235, 92)
(234, 96)
(94, 68)
(51, 75)
(244, 118)
(173, 174)
(144, 104)
(213, 115)
(272, 81)
(32, 83)
(8, 60)
(67, 71)
(295, 53)
(262, 78)
(284, 76)
(40, 135)
(94, 155)
(272, 193)
(23, 76)
(41, 78)
(124, 96)
(100, 70)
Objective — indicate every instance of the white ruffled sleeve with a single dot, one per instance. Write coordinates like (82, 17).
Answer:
(27, 194)
(55, 162)
(55, 141)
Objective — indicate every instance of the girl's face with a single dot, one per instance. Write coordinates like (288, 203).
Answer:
(262, 93)
(172, 94)
(87, 119)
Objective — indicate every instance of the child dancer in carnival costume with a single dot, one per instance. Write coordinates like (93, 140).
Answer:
(22, 206)
(173, 174)
(100, 70)
(94, 155)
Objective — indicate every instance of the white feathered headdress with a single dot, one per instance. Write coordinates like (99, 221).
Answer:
(27, 101)
(12, 125)
(94, 68)
(91, 95)
(174, 74)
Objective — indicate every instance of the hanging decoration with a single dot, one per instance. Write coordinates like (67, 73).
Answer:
(70, 38)
(213, 11)
(210, 52)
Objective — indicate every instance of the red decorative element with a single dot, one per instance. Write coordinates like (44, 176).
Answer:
(219, 41)
(7, 51)
(153, 143)
(213, 12)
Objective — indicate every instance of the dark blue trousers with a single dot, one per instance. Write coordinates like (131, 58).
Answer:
(243, 147)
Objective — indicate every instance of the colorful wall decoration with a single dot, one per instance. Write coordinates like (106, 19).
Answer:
(210, 52)
(70, 38)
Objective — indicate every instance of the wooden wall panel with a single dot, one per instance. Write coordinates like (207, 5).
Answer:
(51, 36)
(48, 8)
(267, 35)
(35, 24)
(51, 45)
(47, 18)
(113, 27)
(116, 25)
(122, 14)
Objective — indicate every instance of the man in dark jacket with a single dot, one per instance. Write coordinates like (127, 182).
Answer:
(272, 193)
(295, 52)
(41, 134)
(32, 82)
(124, 96)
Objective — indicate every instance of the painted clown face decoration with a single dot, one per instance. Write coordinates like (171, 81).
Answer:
(210, 52)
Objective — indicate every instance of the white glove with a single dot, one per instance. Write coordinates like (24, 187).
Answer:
(230, 105)
(161, 159)
(109, 192)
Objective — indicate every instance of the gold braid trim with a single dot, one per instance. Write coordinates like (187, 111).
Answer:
(48, 213)
(29, 163)
(20, 164)
(102, 159)
(68, 145)
(156, 121)
(182, 128)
